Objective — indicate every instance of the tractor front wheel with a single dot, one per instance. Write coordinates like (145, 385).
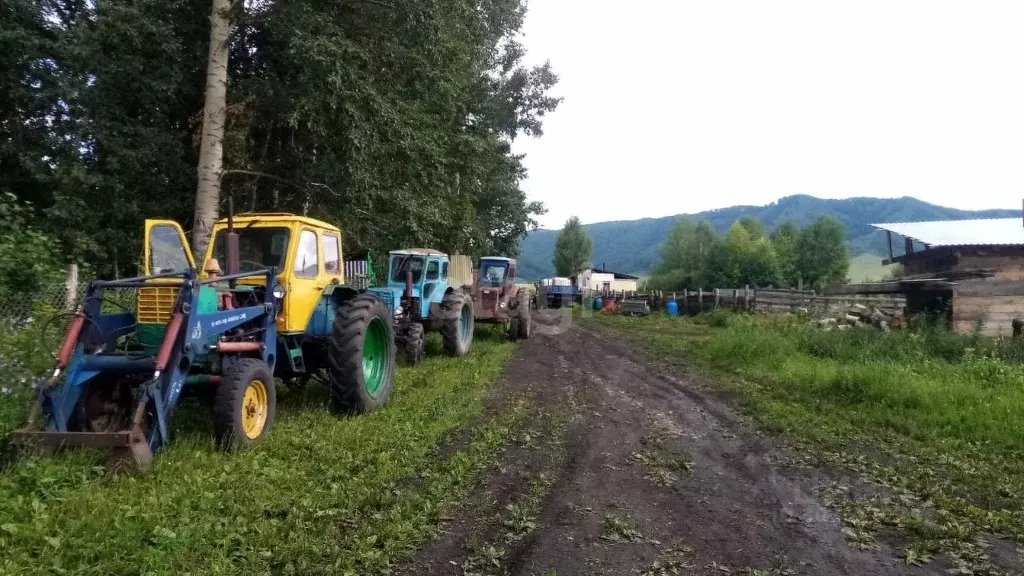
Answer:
(524, 316)
(413, 343)
(244, 404)
(361, 356)
(457, 326)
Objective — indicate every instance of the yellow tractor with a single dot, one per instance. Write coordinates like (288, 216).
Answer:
(280, 309)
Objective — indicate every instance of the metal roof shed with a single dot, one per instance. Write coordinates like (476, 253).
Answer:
(982, 232)
(974, 267)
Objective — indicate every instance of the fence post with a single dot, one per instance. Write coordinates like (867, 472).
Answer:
(746, 296)
(700, 299)
(718, 298)
(71, 288)
(735, 297)
(686, 306)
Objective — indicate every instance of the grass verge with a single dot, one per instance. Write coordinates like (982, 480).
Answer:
(933, 417)
(321, 495)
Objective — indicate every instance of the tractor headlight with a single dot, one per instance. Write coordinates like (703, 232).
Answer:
(501, 305)
(398, 311)
(279, 291)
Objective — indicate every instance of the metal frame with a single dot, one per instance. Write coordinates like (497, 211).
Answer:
(189, 337)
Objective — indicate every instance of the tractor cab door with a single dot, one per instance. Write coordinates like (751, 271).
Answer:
(432, 282)
(166, 248)
(306, 282)
(510, 279)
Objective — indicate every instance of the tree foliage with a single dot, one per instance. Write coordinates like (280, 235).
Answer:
(693, 257)
(573, 248)
(753, 226)
(822, 255)
(29, 259)
(392, 120)
(784, 238)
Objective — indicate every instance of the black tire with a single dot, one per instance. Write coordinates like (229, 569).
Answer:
(349, 392)
(453, 305)
(413, 344)
(231, 405)
(513, 329)
(524, 326)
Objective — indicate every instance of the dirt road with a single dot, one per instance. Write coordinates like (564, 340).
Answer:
(625, 467)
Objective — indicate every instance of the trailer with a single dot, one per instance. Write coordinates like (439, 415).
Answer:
(557, 292)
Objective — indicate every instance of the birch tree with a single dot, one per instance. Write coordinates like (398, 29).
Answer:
(211, 147)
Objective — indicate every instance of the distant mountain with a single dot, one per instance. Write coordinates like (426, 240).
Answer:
(632, 245)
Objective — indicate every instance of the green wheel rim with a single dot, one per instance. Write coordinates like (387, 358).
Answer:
(375, 356)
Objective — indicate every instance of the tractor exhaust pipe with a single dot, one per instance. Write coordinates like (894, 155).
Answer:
(231, 243)
(408, 285)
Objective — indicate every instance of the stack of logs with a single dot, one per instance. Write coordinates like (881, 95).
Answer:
(861, 316)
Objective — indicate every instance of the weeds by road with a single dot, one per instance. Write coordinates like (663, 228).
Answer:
(932, 418)
(321, 495)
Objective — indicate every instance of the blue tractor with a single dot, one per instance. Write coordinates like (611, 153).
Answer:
(421, 298)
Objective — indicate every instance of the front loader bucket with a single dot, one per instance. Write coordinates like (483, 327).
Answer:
(128, 450)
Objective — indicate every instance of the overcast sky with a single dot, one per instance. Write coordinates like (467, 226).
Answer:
(680, 106)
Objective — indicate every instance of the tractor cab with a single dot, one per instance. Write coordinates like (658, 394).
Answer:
(306, 254)
(417, 278)
(496, 273)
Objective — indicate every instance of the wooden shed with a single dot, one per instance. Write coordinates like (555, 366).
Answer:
(970, 270)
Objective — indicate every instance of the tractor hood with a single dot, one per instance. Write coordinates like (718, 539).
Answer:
(391, 296)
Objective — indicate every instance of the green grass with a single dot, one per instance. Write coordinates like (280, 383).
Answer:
(320, 495)
(934, 416)
(867, 268)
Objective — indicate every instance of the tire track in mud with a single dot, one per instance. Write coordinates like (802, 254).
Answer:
(640, 471)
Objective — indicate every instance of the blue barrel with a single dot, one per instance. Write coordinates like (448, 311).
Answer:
(598, 303)
(672, 308)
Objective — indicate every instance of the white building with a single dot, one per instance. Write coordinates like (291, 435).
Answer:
(601, 280)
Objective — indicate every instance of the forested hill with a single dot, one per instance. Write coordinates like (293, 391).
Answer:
(632, 245)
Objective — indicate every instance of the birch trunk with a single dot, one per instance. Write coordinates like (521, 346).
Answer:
(211, 147)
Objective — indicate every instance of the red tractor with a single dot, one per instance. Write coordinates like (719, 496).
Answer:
(497, 299)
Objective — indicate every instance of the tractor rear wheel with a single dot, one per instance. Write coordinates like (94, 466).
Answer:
(457, 325)
(524, 315)
(244, 403)
(361, 356)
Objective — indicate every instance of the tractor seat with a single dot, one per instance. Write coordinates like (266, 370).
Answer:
(213, 267)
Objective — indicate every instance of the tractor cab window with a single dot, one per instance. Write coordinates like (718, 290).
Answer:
(493, 273)
(401, 263)
(306, 264)
(257, 248)
(332, 254)
(433, 270)
(444, 271)
(167, 253)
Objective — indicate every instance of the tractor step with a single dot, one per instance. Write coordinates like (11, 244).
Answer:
(126, 448)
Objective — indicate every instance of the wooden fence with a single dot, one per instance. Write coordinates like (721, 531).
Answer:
(461, 273)
(693, 302)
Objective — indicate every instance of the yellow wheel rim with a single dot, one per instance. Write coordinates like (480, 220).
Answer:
(254, 409)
